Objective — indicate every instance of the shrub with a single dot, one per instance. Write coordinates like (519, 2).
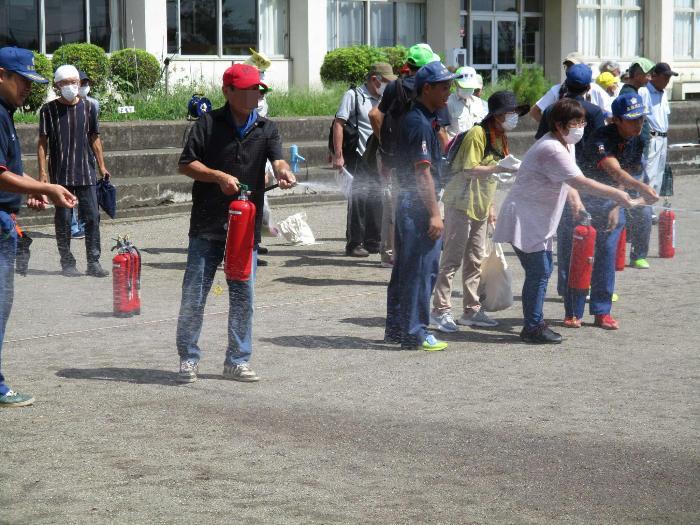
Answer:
(86, 57)
(38, 94)
(530, 84)
(139, 68)
(350, 64)
(396, 56)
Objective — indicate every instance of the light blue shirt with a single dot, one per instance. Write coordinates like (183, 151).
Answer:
(658, 107)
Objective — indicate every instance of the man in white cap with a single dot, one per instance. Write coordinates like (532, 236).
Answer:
(464, 108)
(596, 95)
(69, 132)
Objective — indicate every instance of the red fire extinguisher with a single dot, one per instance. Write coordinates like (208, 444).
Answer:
(135, 255)
(667, 232)
(121, 280)
(240, 237)
(582, 251)
(621, 251)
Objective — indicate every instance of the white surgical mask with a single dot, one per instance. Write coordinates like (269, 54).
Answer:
(510, 122)
(83, 91)
(381, 88)
(464, 92)
(69, 92)
(575, 135)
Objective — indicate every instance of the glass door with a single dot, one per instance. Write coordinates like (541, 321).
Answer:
(494, 45)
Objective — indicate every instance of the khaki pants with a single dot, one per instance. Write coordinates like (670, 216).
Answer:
(464, 244)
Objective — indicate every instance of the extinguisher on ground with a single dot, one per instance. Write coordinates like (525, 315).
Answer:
(126, 278)
(621, 256)
(582, 252)
(667, 232)
(240, 237)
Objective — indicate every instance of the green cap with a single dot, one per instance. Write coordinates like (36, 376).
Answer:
(419, 56)
(646, 64)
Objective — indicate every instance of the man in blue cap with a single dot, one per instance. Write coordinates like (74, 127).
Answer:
(17, 73)
(419, 224)
(610, 156)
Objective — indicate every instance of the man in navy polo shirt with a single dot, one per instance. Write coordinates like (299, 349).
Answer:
(418, 221)
(16, 76)
(611, 155)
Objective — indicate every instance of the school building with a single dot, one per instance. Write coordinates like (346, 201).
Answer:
(200, 38)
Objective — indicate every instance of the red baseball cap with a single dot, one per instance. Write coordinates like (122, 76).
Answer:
(243, 76)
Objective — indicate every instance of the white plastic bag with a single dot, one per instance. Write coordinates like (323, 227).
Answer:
(495, 287)
(343, 179)
(296, 230)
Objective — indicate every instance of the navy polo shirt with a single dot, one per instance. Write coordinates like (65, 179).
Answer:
(607, 142)
(409, 84)
(419, 144)
(10, 156)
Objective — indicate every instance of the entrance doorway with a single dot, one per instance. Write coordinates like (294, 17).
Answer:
(493, 46)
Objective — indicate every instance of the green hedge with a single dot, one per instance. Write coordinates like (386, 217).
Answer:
(530, 84)
(139, 68)
(86, 57)
(38, 94)
(351, 64)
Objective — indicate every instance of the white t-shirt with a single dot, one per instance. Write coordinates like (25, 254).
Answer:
(346, 111)
(530, 214)
(464, 113)
(598, 96)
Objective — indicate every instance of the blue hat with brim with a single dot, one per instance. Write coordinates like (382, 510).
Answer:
(579, 75)
(629, 106)
(20, 61)
(433, 73)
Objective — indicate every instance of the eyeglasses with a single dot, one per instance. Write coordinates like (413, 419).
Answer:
(577, 124)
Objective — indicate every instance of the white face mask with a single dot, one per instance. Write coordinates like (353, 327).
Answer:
(83, 91)
(464, 92)
(575, 135)
(381, 88)
(510, 122)
(69, 92)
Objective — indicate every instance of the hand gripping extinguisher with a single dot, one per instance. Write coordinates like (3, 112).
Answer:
(667, 232)
(135, 277)
(240, 237)
(621, 255)
(121, 279)
(582, 251)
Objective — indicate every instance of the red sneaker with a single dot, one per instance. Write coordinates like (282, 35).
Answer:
(606, 322)
(572, 322)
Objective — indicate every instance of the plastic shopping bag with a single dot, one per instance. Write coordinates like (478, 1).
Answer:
(495, 287)
(343, 179)
(296, 230)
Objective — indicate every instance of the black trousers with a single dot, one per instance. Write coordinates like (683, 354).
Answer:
(88, 212)
(364, 224)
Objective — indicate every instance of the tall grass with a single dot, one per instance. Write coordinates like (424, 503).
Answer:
(159, 105)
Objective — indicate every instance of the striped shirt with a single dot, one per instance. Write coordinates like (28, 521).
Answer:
(71, 160)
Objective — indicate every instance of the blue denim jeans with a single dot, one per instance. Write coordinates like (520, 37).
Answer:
(603, 278)
(416, 265)
(203, 258)
(538, 267)
(565, 234)
(8, 250)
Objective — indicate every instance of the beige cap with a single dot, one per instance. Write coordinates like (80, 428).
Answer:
(574, 57)
(383, 70)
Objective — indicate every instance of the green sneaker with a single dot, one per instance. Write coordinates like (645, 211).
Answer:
(433, 345)
(615, 297)
(15, 399)
(640, 264)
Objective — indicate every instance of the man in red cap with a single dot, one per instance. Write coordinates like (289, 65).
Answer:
(225, 148)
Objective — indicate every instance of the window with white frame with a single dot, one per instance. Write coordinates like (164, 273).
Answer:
(375, 22)
(47, 25)
(227, 27)
(686, 24)
(610, 28)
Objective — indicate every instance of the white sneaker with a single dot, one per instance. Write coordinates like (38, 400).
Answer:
(188, 371)
(477, 318)
(443, 322)
(242, 372)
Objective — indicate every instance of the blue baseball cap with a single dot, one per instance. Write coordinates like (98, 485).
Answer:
(20, 61)
(579, 75)
(629, 106)
(432, 73)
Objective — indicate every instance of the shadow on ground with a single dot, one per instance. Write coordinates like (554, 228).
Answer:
(310, 281)
(139, 376)
(329, 342)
